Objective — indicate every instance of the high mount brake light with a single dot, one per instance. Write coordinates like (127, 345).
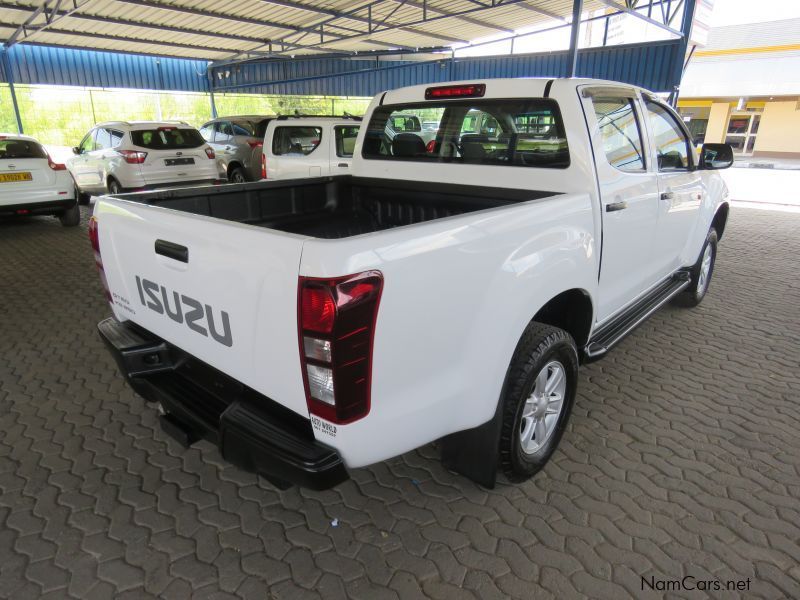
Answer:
(473, 90)
(336, 328)
(133, 157)
(94, 238)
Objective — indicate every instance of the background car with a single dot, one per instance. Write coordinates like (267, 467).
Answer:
(122, 156)
(238, 141)
(309, 146)
(31, 183)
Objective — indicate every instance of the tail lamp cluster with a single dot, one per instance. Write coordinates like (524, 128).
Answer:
(133, 157)
(54, 165)
(94, 238)
(263, 167)
(337, 327)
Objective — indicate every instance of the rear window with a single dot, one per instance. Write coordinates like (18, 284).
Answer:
(11, 149)
(519, 132)
(295, 140)
(167, 138)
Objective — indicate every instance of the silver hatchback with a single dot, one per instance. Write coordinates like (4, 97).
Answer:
(237, 142)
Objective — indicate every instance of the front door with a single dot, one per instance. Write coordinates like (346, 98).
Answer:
(680, 188)
(628, 195)
(83, 169)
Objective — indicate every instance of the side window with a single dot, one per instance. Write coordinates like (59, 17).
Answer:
(87, 144)
(207, 131)
(345, 140)
(672, 145)
(224, 131)
(116, 137)
(102, 140)
(299, 141)
(620, 132)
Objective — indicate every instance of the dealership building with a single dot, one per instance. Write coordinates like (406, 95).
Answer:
(743, 88)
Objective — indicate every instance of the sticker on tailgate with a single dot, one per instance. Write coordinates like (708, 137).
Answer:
(197, 316)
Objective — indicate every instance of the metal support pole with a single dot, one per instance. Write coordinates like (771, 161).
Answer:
(678, 67)
(572, 57)
(210, 73)
(10, 78)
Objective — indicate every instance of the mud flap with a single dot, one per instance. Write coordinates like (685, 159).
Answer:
(474, 453)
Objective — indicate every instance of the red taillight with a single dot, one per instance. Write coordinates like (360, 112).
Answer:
(94, 238)
(336, 323)
(473, 90)
(430, 148)
(54, 165)
(256, 143)
(263, 167)
(210, 153)
(133, 157)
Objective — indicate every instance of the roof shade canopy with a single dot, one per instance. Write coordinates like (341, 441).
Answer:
(253, 29)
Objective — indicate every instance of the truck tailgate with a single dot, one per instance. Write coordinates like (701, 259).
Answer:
(223, 292)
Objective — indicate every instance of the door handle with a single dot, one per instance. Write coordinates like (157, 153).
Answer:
(615, 206)
(172, 250)
(343, 165)
(667, 195)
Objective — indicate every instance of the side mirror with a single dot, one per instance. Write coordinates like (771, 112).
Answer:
(76, 150)
(716, 156)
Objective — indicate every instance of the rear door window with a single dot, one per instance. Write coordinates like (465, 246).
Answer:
(297, 140)
(15, 149)
(102, 140)
(345, 140)
(620, 132)
(167, 138)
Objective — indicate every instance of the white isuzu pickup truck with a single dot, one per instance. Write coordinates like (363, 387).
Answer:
(447, 292)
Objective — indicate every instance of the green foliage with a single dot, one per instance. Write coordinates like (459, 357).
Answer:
(61, 116)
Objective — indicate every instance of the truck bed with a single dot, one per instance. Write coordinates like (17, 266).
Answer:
(334, 207)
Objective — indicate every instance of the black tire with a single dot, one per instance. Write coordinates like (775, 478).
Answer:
(237, 175)
(71, 217)
(114, 187)
(541, 345)
(83, 198)
(697, 290)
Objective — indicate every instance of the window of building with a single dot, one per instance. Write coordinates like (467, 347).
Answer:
(741, 133)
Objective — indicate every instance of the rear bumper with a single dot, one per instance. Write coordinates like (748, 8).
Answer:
(252, 431)
(175, 184)
(50, 207)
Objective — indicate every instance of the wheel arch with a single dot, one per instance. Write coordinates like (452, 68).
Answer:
(571, 310)
(234, 164)
(720, 219)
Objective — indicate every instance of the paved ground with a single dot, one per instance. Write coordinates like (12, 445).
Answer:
(682, 458)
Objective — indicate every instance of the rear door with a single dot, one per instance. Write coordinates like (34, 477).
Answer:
(23, 168)
(174, 154)
(296, 151)
(680, 187)
(628, 195)
(342, 140)
(232, 302)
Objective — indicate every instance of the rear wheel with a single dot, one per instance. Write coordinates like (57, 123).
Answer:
(701, 272)
(540, 391)
(71, 217)
(114, 187)
(237, 175)
(83, 198)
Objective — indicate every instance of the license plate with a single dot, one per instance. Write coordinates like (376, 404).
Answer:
(12, 177)
(171, 162)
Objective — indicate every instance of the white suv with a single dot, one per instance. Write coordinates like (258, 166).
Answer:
(308, 146)
(121, 156)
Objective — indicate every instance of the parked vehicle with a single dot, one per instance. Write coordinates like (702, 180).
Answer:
(121, 156)
(309, 327)
(308, 146)
(237, 142)
(31, 183)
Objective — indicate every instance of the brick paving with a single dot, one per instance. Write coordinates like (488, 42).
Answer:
(682, 458)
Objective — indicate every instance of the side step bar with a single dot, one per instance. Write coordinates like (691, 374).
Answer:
(611, 333)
